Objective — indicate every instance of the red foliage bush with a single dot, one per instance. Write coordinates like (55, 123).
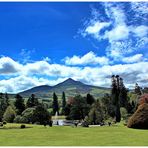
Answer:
(143, 99)
(140, 118)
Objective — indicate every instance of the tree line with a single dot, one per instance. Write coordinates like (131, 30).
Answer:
(88, 109)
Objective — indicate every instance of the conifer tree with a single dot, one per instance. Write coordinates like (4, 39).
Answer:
(63, 103)
(32, 101)
(55, 104)
(19, 104)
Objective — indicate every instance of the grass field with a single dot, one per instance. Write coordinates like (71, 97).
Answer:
(37, 135)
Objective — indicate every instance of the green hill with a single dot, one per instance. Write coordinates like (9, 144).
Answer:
(69, 86)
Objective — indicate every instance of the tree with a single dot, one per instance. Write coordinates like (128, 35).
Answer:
(96, 114)
(107, 106)
(19, 104)
(3, 105)
(41, 115)
(9, 114)
(63, 103)
(55, 104)
(90, 99)
(115, 91)
(79, 108)
(138, 89)
(123, 94)
(32, 101)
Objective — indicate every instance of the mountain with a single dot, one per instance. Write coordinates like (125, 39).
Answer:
(69, 86)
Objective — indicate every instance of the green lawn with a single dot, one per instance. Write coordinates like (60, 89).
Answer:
(69, 136)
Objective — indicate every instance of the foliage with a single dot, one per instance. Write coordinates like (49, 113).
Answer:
(63, 103)
(140, 118)
(55, 104)
(17, 119)
(119, 95)
(124, 113)
(41, 115)
(9, 114)
(96, 115)
(32, 101)
(90, 99)
(19, 104)
(143, 99)
(107, 106)
(27, 115)
(23, 126)
(79, 108)
(4, 103)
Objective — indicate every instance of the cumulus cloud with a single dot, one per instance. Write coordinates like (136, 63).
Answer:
(41, 73)
(89, 58)
(132, 59)
(9, 66)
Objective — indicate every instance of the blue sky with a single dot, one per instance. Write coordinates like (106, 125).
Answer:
(48, 42)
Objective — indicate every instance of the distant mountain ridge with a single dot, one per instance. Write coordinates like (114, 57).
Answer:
(69, 86)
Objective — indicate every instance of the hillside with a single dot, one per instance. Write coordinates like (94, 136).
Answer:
(69, 86)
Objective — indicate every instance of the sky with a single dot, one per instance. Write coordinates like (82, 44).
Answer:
(45, 43)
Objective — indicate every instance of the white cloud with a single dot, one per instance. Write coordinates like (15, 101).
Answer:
(132, 59)
(42, 73)
(120, 32)
(96, 27)
(9, 66)
(89, 58)
(123, 33)
(140, 31)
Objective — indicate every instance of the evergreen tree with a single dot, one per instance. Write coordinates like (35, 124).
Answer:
(138, 90)
(123, 94)
(3, 105)
(55, 104)
(96, 115)
(41, 115)
(7, 99)
(90, 99)
(115, 91)
(79, 108)
(19, 104)
(63, 103)
(32, 101)
(9, 114)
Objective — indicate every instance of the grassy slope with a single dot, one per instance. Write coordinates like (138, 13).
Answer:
(68, 136)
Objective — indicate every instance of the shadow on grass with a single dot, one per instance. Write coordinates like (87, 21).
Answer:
(7, 128)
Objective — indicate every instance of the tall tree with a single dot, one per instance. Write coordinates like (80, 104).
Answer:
(115, 91)
(123, 94)
(63, 103)
(32, 101)
(9, 114)
(55, 104)
(138, 89)
(90, 99)
(19, 104)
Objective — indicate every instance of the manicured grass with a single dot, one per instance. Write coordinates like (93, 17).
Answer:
(37, 135)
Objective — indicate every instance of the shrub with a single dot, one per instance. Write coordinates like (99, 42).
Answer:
(4, 122)
(22, 126)
(9, 114)
(27, 115)
(123, 113)
(140, 118)
(17, 119)
(143, 99)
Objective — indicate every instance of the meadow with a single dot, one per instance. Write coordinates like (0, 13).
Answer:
(37, 135)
